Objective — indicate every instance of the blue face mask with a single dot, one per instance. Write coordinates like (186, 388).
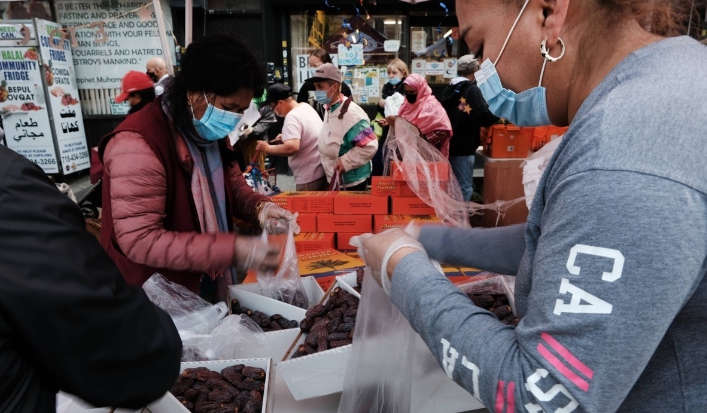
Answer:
(394, 80)
(322, 97)
(528, 108)
(216, 123)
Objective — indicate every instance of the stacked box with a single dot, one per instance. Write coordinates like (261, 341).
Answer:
(385, 222)
(306, 201)
(313, 241)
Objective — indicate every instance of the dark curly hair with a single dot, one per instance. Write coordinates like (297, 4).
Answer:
(220, 64)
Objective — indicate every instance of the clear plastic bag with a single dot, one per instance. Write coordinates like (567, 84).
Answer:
(379, 371)
(284, 284)
(429, 175)
(189, 312)
(393, 104)
(490, 283)
(206, 331)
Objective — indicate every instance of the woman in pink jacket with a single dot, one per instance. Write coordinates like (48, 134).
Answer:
(172, 184)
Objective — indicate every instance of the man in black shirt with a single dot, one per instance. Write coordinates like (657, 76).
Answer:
(68, 321)
(468, 113)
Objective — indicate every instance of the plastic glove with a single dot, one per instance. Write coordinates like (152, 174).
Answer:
(377, 250)
(270, 210)
(257, 253)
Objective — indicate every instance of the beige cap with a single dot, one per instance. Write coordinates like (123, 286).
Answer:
(327, 71)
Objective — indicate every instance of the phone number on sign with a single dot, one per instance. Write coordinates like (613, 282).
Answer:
(74, 157)
(44, 161)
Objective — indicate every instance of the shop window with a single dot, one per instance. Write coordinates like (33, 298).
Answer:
(246, 5)
(23, 10)
(356, 43)
(434, 53)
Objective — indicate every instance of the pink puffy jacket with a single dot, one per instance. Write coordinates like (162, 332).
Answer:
(138, 193)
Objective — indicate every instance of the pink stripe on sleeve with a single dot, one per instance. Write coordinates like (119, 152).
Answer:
(571, 376)
(510, 397)
(499, 397)
(562, 351)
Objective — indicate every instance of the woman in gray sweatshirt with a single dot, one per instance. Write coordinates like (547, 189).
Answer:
(610, 268)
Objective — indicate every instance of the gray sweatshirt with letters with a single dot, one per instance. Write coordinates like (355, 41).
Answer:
(611, 284)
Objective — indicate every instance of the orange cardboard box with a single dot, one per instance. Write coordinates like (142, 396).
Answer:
(386, 186)
(384, 222)
(440, 170)
(410, 206)
(325, 265)
(306, 201)
(343, 238)
(359, 203)
(313, 241)
(307, 222)
(344, 223)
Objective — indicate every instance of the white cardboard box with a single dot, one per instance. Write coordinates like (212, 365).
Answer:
(217, 366)
(311, 288)
(276, 342)
(322, 373)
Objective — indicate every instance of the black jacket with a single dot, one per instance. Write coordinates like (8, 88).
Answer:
(468, 113)
(308, 86)
(68, 321)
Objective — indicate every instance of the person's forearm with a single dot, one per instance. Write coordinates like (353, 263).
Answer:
(497, 250)
(281, 150)
(359, 155)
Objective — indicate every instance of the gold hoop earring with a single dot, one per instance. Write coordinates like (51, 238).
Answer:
(546, 54)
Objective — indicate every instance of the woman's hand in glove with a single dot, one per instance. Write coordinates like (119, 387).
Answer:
(270, 210)
(255, 253)
(383, 251)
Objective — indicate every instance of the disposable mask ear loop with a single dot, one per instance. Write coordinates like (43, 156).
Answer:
(542, 72)
(511, 32)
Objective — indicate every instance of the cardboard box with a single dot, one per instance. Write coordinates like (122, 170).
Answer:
(344, 223)
(508, 141)
(313, 241)
(410, 206)
(324, 266)
(343, 238)
(359, 203)
(320, 373)
(263, 363)
(439, 171)
(306, 201)
(307, 222)
(385, 222)
(314, 292)
(386, 186)
(503, 181)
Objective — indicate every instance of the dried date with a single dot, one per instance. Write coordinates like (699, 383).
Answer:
(220, 396)
(248, 384)
(254, 403)
(180, 387)
(339, 343)
(253, 372)
(502, 311)
(208, 374)
(191, 394)
(191, 373)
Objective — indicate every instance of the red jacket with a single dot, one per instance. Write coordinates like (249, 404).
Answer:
(149, 220)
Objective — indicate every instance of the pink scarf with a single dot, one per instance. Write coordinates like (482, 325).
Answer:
(426, 113)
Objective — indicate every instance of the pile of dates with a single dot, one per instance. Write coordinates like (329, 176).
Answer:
(497, 304)
(267, 323)
(330, 325)
(237, 388)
